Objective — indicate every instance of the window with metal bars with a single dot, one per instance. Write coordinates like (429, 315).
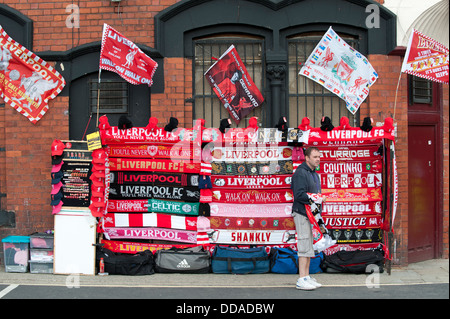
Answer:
(113, 96)
(421, 90)
(306, 97)
(206, 103)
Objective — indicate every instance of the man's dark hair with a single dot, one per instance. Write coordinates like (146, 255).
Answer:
(310, 149)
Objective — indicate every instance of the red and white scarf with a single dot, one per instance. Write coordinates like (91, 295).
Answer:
(156, 220)
(150, 233)
(252, 237)
(126, 247)
(361, 180)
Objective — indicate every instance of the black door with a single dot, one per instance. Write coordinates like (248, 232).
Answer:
(117, 98)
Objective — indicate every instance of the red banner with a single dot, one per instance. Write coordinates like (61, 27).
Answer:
(120, 55)
(27, 82)
(426, 58)
(231, 82)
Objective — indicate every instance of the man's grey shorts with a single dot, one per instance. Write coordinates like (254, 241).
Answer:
(304, 236)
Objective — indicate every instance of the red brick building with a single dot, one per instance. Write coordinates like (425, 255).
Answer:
(272, 37)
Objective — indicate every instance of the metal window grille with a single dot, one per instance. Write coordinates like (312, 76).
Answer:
(113, 96)
(306, 97)
(421, 90)
(206, 103)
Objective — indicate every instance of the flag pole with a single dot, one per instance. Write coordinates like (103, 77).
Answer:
(98, 94)
(396, 91)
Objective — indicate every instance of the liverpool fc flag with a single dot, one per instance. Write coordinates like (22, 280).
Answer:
(341, 69)
(27, 82)
(120, 55)
(426, 58)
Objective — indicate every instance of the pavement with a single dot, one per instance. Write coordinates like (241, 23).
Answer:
(427, 272)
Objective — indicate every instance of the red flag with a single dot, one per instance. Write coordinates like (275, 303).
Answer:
(231, 82)
(426, 58)
(120, 55)
(26, 81)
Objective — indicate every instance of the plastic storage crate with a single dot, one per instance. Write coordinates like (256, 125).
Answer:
(37, 267)
(41, 255)
(16, 251)
(41, 240)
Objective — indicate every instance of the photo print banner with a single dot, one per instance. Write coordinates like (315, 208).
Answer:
(231, 82)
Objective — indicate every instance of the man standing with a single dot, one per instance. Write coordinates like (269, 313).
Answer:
(305, 180)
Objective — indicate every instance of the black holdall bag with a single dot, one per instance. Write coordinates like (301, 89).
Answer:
(139, 264)
(195, 260)
(355, 262)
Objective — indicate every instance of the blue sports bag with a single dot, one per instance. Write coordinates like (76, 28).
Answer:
(227, 260)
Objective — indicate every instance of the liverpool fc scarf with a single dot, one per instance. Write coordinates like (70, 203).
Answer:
(321, 238)
(250, 210)
(183, 236)
(181, 151)
(270, 196)
(350, 153)
(126, 247)
(353, 208)
(251, 181)
(351, 180)
(254, 153)
(350, 221)
(350, 167)
(153, 165)
(253, 223)
(153, 205)
(352, 194)
(188, 194)
(150, 178)
(252, 237)
(252, 168)
(156, 220)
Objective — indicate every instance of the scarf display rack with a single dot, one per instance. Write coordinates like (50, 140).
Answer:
(157, 186)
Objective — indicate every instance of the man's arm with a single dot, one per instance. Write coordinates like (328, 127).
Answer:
(300, 188)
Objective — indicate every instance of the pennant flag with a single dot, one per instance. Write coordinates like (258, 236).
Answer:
(340, 69)
(26, 81)
(120, 55)
(231, 82)
(426, 58)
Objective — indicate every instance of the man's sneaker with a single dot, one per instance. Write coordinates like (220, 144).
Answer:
(313, 282)
(304, 284)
